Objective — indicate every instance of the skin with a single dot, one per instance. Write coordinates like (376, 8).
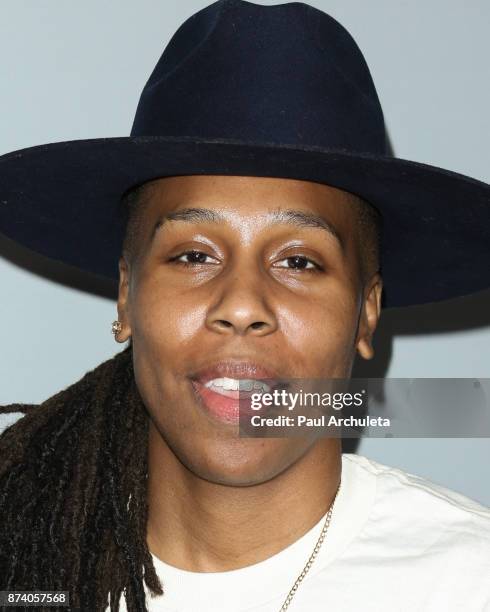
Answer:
(219, 502)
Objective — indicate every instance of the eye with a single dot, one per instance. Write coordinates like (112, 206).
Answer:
(297, 262)
(196, 258)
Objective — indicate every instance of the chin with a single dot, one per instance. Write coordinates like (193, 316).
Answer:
(245, 461)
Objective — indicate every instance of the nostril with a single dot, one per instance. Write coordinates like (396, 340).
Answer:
(257, 325)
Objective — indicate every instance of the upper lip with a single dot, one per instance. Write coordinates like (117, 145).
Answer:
(234, 368)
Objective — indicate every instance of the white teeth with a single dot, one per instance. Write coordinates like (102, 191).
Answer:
(234, 384)
(229, 384)
(246, 385)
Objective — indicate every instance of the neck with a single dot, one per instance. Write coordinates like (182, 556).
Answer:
(201, 526)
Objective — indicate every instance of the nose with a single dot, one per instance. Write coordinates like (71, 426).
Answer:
(241, 307)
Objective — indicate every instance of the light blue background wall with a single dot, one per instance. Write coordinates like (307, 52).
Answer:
(71, 70)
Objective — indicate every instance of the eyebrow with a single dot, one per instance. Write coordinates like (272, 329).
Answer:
(298, 218)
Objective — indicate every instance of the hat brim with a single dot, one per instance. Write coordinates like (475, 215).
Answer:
(63, 201)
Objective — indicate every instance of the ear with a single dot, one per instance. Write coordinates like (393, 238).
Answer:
(122, 301)
(370, 313)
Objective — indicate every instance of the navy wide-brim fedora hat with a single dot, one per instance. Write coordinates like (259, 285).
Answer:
(243, 89)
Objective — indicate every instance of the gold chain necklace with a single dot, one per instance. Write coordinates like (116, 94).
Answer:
(323, 533)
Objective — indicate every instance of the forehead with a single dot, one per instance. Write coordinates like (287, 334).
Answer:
(239, 197)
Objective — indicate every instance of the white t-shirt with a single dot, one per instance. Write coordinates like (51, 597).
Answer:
(395, 542)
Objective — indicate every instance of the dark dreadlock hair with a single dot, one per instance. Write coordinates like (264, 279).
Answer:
(73, 493)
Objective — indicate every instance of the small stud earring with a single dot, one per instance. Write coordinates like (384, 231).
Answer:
(116, 328)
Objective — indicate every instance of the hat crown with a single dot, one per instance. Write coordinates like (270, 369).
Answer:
(283, 74)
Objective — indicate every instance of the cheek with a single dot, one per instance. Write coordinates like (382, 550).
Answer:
(323, 331)
(165, 319)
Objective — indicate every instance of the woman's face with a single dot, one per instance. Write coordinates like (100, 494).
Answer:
(281, 290)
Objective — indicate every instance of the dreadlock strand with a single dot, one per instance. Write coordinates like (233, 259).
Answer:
(43, 461)
(138, 504)
(73, 492)
(115, 420)
(83, 486)
(102, 503)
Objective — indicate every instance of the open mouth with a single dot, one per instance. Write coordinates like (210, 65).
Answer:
(232, 386)
(226, 399)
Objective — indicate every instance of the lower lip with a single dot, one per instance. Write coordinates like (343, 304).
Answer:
(225, 409)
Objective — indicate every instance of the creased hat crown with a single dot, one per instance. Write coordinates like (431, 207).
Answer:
(282, 74)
